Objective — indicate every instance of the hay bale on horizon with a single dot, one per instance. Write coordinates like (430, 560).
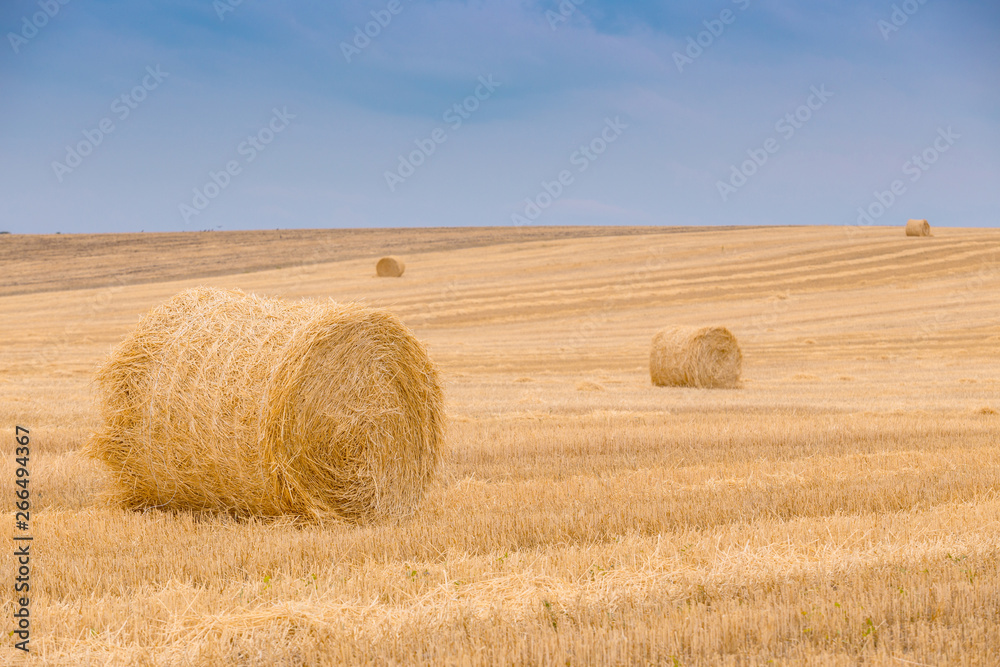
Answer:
(918, 228)
(224, 401)
(390, 267)
(695, 357)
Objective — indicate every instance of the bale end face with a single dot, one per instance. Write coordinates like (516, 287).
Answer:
(918, 228)
(707, 357)
(390, 267)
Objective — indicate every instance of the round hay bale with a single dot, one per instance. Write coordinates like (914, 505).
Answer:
(918, 228)
(693, 357)
(224, 401)
(390, 267)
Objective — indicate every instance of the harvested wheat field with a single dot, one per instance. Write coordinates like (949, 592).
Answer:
(840, 507)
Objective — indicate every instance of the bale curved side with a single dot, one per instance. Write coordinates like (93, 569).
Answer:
(229, 402)
(918, 228)
(695, 357)
(390, 267)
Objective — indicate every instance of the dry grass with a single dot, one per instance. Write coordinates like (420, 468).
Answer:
(808, 521)
(587, 385)
(918, 228)
(224, 401)
(695, 357)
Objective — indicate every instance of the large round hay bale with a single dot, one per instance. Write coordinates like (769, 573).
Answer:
(390, 267)
(693, 357)
(918, 228)
(224, 401)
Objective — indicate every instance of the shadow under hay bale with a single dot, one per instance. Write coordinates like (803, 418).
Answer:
(707, 357)
(223, 401)
(390, 267)
(918, 228)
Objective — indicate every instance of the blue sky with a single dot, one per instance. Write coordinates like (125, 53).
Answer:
(593, 113)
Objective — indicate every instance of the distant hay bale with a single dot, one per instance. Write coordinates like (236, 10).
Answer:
(918, 228)
(693, 357)
(390, 267)
(224, 401)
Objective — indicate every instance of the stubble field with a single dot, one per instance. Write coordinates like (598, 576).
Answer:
(842, 507)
